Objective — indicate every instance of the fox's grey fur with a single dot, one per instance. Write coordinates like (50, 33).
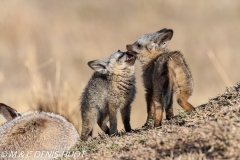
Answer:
(35, 131)
(164, 72)
(111, 87)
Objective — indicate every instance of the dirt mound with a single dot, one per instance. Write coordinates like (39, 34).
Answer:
(211, 132)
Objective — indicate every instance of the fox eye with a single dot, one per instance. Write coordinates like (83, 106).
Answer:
(139, 45)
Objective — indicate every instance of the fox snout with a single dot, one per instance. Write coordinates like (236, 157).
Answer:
(130, 50)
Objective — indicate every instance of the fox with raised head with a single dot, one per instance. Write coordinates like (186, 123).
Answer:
(111, 87)
(164, 72)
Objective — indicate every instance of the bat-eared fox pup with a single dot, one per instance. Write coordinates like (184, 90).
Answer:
(111, 87)
(164, 72)
(35, 131)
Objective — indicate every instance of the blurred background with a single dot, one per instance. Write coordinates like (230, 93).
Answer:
(45, 46)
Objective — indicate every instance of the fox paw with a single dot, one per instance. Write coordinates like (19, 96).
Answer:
(149, 123)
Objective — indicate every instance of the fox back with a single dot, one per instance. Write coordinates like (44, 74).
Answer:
(164, 72)
(37, 131)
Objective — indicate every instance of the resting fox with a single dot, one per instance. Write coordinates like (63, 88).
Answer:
(35, 131)
(111, 87)
(164, 72)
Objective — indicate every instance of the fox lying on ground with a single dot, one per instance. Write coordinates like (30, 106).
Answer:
(111, 87)
(164, 72)
(35, 131)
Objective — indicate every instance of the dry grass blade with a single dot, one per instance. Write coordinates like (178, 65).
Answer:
(219, 68)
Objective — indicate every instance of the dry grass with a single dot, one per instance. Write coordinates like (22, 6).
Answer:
(48, 97)
(211, 132)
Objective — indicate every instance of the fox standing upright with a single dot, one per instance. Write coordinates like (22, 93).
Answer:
(111, 87)
(164, 72)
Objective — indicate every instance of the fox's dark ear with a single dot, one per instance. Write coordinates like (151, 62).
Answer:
(98, 65)
(7, 112)
(163, 37)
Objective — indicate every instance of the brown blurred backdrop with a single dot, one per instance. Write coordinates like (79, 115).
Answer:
(45, 46)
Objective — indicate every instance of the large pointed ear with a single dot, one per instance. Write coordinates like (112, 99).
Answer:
(99, 65)
(163, 37)
(7, 112)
